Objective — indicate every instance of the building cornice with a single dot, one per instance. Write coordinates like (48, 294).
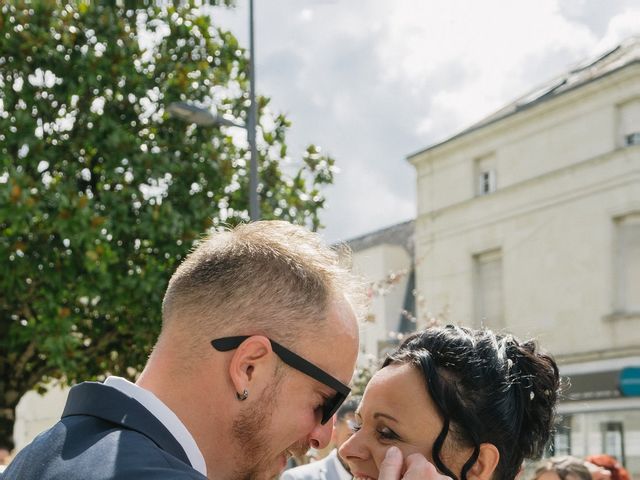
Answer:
(401, 234)
(525, 114)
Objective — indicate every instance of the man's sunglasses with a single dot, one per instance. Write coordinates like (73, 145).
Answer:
(331, 405)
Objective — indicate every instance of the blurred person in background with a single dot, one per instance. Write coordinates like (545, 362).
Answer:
(259, 338)
(562, 468)
(600, 465)
(597, 472)
(332, 467)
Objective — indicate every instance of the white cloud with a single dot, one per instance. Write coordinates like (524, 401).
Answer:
(306, 15)
(425, 126)
(354, 197)
(373, 80)
(620, 27)
(487, 43)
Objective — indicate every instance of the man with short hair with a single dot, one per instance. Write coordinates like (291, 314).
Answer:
(259, 339)
(331, 467)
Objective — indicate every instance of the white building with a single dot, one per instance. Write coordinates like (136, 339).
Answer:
(384, 259)
(530, 221)
(36, 413)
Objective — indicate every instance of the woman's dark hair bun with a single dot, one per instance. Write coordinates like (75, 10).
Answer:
(536, 375)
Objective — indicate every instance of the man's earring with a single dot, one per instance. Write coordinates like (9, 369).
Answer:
(242, 396)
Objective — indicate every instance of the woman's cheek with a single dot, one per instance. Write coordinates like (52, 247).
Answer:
(378, 454)
(380, 451)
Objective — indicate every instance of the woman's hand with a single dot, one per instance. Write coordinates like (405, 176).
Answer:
(416, 467)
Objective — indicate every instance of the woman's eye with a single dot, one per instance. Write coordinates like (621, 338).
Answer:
(387, 434)
(353, 425)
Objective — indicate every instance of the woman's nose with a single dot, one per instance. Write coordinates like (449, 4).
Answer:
(352, 448)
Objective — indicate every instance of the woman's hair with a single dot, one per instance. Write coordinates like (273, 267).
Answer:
(489, 388)
(567, 468)
(618, 472)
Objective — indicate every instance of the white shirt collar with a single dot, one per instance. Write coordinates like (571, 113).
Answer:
(343, 473)
(166, 416)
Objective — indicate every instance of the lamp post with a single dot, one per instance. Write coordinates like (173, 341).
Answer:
(192, 114)
(254, 203)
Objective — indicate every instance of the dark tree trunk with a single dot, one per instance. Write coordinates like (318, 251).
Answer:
(7, 419)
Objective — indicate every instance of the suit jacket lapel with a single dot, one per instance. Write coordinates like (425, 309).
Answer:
(107, 403)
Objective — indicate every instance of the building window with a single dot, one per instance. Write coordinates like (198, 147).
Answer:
(629, 123)
(485, 174)
(613, 440)
(561, 440)
(632, 139)
(627, 263)
(488, 289)
(487, 182)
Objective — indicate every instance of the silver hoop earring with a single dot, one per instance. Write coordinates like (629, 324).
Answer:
(242, 396)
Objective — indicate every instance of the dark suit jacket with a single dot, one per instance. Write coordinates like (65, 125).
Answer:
(103, 434)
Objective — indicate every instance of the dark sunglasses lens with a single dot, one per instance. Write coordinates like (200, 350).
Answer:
(331, 407)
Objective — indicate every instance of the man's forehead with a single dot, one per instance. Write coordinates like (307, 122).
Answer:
(335, 354)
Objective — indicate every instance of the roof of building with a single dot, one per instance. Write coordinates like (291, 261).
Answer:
(399, 234)
(625, 54)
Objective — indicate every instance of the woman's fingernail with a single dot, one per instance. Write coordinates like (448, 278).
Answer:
(392, 453)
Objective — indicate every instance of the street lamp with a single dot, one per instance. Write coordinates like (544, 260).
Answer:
(204, 118)
(192, 114)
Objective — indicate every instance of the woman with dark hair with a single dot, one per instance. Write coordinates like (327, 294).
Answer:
(473, 403)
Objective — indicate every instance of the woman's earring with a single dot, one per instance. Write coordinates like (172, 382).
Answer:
(242, 396)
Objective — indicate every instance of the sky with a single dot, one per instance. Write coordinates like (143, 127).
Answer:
(373, 81)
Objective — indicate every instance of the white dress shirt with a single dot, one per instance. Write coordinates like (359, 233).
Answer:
(163, 413)
(328, 468)
(343, 473)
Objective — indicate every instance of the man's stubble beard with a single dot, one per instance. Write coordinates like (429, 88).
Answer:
(251, 438)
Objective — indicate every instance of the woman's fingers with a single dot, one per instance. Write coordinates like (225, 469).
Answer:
(416, 467)
(391, 466)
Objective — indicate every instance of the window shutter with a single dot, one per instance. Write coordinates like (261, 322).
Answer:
(488, 288)
(629, 122)
(628, 264)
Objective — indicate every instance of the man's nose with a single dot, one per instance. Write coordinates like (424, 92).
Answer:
(321, 435)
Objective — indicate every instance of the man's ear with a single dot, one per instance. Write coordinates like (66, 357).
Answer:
(486, 463)
(253, 356)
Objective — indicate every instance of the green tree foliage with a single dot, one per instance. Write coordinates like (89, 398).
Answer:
(102, 193)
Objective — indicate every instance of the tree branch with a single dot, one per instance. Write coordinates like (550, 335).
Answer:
(24, 358)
